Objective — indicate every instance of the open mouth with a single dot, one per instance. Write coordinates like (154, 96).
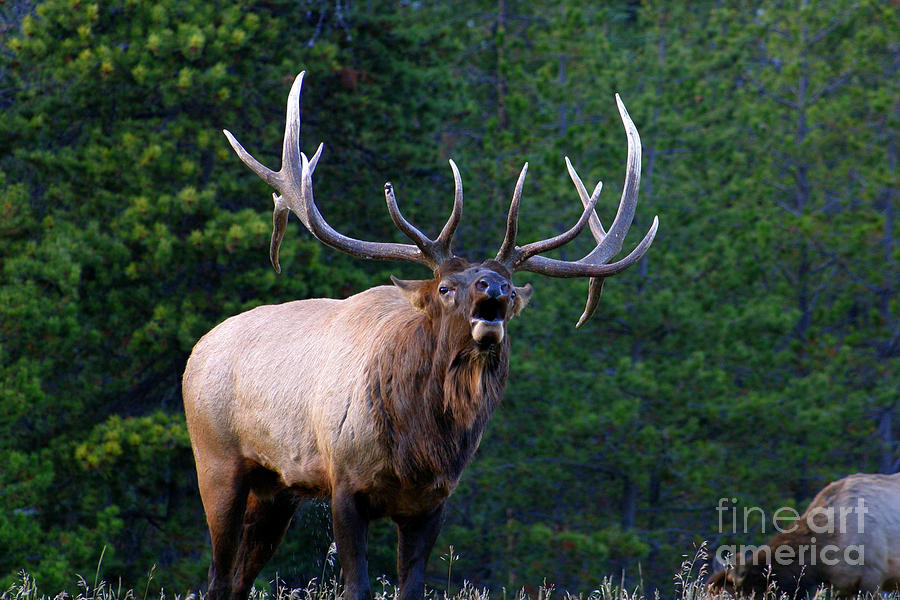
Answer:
(487, 322)
(490, 310)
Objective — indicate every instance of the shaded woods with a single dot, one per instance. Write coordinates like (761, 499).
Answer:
(753, 354)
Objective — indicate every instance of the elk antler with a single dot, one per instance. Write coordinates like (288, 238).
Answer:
(294, 184)
(595, 264)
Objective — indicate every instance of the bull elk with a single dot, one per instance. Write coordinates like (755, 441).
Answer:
(377, 401)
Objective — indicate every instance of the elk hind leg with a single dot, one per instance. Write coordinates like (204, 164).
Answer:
(224, 495)
(265, 523)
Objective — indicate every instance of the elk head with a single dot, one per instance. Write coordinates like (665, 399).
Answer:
(483, 292)
(481, 299)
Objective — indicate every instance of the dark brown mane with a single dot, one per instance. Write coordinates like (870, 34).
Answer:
(433, 394)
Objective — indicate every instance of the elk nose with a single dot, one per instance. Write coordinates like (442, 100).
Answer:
(492, 288)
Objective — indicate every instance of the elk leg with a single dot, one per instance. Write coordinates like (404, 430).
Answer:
(265, 523)
(416, 536)
(351, 526)
(224, 499)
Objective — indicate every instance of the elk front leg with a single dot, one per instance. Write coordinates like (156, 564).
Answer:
(351, 526)
(416, 536)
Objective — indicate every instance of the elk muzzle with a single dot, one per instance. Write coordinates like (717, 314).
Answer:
(492, 297)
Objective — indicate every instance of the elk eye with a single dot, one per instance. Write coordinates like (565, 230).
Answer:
(513, 294)
(443, 290)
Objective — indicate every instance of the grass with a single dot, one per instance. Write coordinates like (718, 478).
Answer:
(27, 589)
(693, 589)
(689, 585)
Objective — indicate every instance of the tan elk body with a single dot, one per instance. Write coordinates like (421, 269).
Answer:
(377, 401)
(847, 538)
(311, 421)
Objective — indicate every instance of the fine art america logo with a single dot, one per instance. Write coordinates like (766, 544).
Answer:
(807, 539)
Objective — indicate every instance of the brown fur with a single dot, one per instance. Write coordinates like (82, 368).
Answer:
(378, 401)
(435, 389)
(878, 537)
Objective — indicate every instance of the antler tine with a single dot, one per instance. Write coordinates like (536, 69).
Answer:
(418, 238)
(279, 225)
(595, 289)
(508, 247)
(594, 223)
(264, 172)
(445, 238)
(438, 250)
(612, 243)
(315, 159)
(290, 161)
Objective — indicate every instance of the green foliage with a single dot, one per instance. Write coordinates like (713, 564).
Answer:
(753, 354)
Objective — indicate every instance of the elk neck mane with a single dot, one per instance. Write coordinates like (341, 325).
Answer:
(434, 392)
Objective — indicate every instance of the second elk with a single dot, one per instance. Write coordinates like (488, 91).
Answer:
(848, 539)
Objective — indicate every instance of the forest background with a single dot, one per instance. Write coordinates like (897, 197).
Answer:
(753, 355)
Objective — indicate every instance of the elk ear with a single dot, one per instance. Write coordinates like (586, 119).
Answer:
(415, 290)
(523, 295)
